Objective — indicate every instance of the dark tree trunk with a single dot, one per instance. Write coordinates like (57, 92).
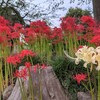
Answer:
(96, 9)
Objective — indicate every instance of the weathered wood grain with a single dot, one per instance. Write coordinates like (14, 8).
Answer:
(50, 87)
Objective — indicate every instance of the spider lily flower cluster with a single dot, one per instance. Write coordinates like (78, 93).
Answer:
(17, 58)
(89, 55)
(23, 72)
(39, 38)
(80, 77)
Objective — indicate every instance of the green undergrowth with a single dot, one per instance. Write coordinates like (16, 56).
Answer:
(65, 69)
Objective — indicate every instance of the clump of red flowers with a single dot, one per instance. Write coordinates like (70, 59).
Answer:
(80, 77)
(8, 32)
(37, 67)
(14, 59)
(37, 29)
(23, 73)
(28, 65)
(68, 24)
(88, 20)
(26, 53)
(17, 58)
(56, 35)
(96, 40)
(40, 27)
(3, 21)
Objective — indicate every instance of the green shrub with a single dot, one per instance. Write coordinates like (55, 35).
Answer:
(65, 69)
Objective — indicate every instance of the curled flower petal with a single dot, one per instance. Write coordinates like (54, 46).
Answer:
(85, 65)
(77, 61)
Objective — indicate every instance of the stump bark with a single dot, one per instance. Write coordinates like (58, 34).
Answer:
(83, 96)
(50, 87)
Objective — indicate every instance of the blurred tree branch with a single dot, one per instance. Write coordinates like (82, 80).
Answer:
(28, 9)
(96, 7)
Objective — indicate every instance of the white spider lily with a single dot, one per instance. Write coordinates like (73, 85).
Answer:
(22, 37)
(97, 60)
(97, 49)
(85, 53)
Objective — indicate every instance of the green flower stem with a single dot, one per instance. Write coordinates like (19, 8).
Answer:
(11, 73)
(0, 95)
(60, 49)
(72, 43)
(95, 83)
(48, 49)
(1, 78)
(21, 89)
(31, 60)
(5, 53)
(85, 86)
(76, 41)
(6, 74)
(40, 83)
(91, 90)
(98, 85)
(24, 90)
(31, 85)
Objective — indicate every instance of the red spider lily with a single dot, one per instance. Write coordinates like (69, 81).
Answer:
(37, 66)
(80, 77)
(5, 33)
(15, 59)
(43, 66)
(88, 20)
(90, 29)
(28, 65)
(17, 26)
(30, 35)
(3, 21)
(80, 28)
(15, 35)
(41, 28)
(8, 32)
(30, 32)
(23, 73)
(27, 53)
(96, 40)
(17, 30)
(88, 36)
(5, 30)
(96, 31)
(68, 24)
(56, 35)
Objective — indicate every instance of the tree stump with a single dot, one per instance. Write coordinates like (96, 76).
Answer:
(7, 92)
(83, 96)
(51, 87)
